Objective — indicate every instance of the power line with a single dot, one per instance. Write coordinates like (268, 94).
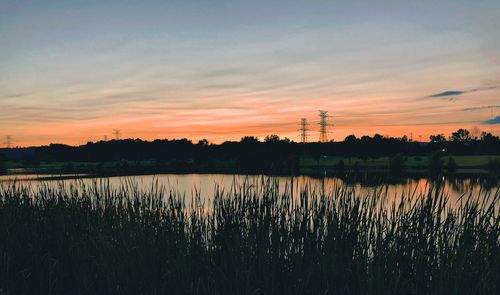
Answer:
(323, 130)
(303, 130)
(117, 134)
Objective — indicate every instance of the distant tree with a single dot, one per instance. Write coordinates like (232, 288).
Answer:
(249, 139)
(488, 137)
(203, 142)
(182, 140)
(350, 138)
(272, 138)
(404, 138)
(378, 137)
(438, 138)
(202, 157)
(251, 157)
(461, 135)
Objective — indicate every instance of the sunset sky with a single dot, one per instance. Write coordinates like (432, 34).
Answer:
(72, 71)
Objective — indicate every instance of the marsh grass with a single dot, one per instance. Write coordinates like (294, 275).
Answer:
(251, 239)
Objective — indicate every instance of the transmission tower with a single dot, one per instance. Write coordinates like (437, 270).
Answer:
(323, 130)
(303, 130)
(8, 141)
(117, 134)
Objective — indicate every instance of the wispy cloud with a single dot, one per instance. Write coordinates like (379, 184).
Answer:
(494, 121)
(460, 92)
(448, 93)
(471, 109)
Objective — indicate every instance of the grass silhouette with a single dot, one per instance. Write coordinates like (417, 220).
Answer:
(98, 239)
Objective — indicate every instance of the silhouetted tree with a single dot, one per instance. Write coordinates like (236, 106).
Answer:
(249, 139)
(488, 137)
(274, 155)
(350, 138)
(203, 142)
(378, 137)
(461, 135)
(272, 138)
(438, 138)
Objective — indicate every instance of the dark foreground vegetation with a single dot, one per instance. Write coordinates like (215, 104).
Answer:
(252, 240)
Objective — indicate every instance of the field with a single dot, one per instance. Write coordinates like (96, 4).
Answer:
(95, 239)
(471, 164)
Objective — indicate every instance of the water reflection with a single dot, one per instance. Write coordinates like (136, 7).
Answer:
(204, 184)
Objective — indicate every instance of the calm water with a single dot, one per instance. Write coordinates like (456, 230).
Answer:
(205, 184)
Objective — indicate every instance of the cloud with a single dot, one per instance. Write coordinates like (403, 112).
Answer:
(484, 88)
(448, 93)
(494, 121)
(460, 92)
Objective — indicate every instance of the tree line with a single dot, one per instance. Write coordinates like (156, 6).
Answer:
(272, 154)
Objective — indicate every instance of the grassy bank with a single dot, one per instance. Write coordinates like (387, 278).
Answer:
(252, 240)
(307, 165)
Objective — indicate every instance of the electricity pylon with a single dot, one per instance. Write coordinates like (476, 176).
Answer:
(303, 130)
(117, 133)
(323, 130)
(8, 141)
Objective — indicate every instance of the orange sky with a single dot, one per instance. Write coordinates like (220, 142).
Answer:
(73, 72)
(259, 117)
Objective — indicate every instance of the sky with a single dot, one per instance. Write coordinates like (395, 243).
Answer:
(73, 71)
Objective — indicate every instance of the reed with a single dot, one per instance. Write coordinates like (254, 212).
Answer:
(251, 239)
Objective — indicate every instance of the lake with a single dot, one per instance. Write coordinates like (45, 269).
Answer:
(205, 184)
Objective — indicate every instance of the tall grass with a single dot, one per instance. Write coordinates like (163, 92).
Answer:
(96, 239)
